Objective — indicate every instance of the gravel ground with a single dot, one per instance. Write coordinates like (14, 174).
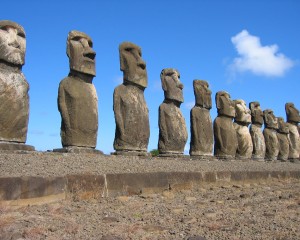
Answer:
(265, 210)
(61, 164)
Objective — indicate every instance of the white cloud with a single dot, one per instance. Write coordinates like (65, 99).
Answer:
(189, 105)
(258, 59)
(118, 80)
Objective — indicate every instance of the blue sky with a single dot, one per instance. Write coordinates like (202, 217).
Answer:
(250, 49)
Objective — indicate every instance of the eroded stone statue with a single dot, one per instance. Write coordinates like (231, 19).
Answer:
(172, 127)
(270, 134)
(258, 139)
(201, 124)
(77, 97)
(283, 139)
(293, 119)
(241, 122)
(14, 98)
(224, 132)
(130, 108)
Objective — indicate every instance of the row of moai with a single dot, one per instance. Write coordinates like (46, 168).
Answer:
(229, 136)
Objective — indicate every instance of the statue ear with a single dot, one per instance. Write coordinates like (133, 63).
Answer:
(122, 65)
(218, 96)
(163, 80)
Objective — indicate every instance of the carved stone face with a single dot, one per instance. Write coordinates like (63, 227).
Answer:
(132, 64)
(170, 79)
(282, 126)
(225, 106)
(202, 93)
(12, 43)
(242, 113)
(80, 53)
(269, 119)
(292, 113)
(257, 115)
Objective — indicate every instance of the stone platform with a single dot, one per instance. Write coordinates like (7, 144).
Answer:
(39, 178)
(11, 146)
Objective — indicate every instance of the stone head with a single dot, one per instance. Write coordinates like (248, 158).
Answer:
(12, 43)
(170, 80)
(80, 52)
(132, 65)
(242, 112)
(270, 119)
(225, 106)
(257, 116)
(292, 113)
(202, 93)
(282, 126)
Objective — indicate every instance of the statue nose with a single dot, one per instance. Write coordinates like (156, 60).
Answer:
(13, 38)
(142, 64)
(180, 85)
(90, 53)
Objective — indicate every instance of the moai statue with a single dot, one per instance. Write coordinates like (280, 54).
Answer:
(14, 98)
(283, 139)
(293, 119)
(224, 132)
(241, 122)
(130, 108)
(172, 129)
(77, 97)
(202, 141)
(270, 134)
(258, 139)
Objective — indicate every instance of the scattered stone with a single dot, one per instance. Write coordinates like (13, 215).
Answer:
(111, 237)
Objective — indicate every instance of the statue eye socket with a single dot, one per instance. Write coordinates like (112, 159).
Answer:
(4, 28)
(128, 49)
(21, 34)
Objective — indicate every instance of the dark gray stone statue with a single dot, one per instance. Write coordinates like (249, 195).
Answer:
(258, 139)
(202, 141)
(283, 139)
(172, 127)
(14, 98)
(77, 97)
(241, 122)
(270, 134)
(293, 119)
(130, 108)
(224, 132)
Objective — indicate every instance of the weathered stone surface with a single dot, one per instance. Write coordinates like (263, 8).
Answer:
(172, 128)
(224, 132)
(283, 139)
(17, 188)
(270, 134)
(73, 149)
(241, 121)
(293, 119)
(14, 98)
(12, 147)
(258, 139)
(77, 97)
(130, 108)
(201, 123)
